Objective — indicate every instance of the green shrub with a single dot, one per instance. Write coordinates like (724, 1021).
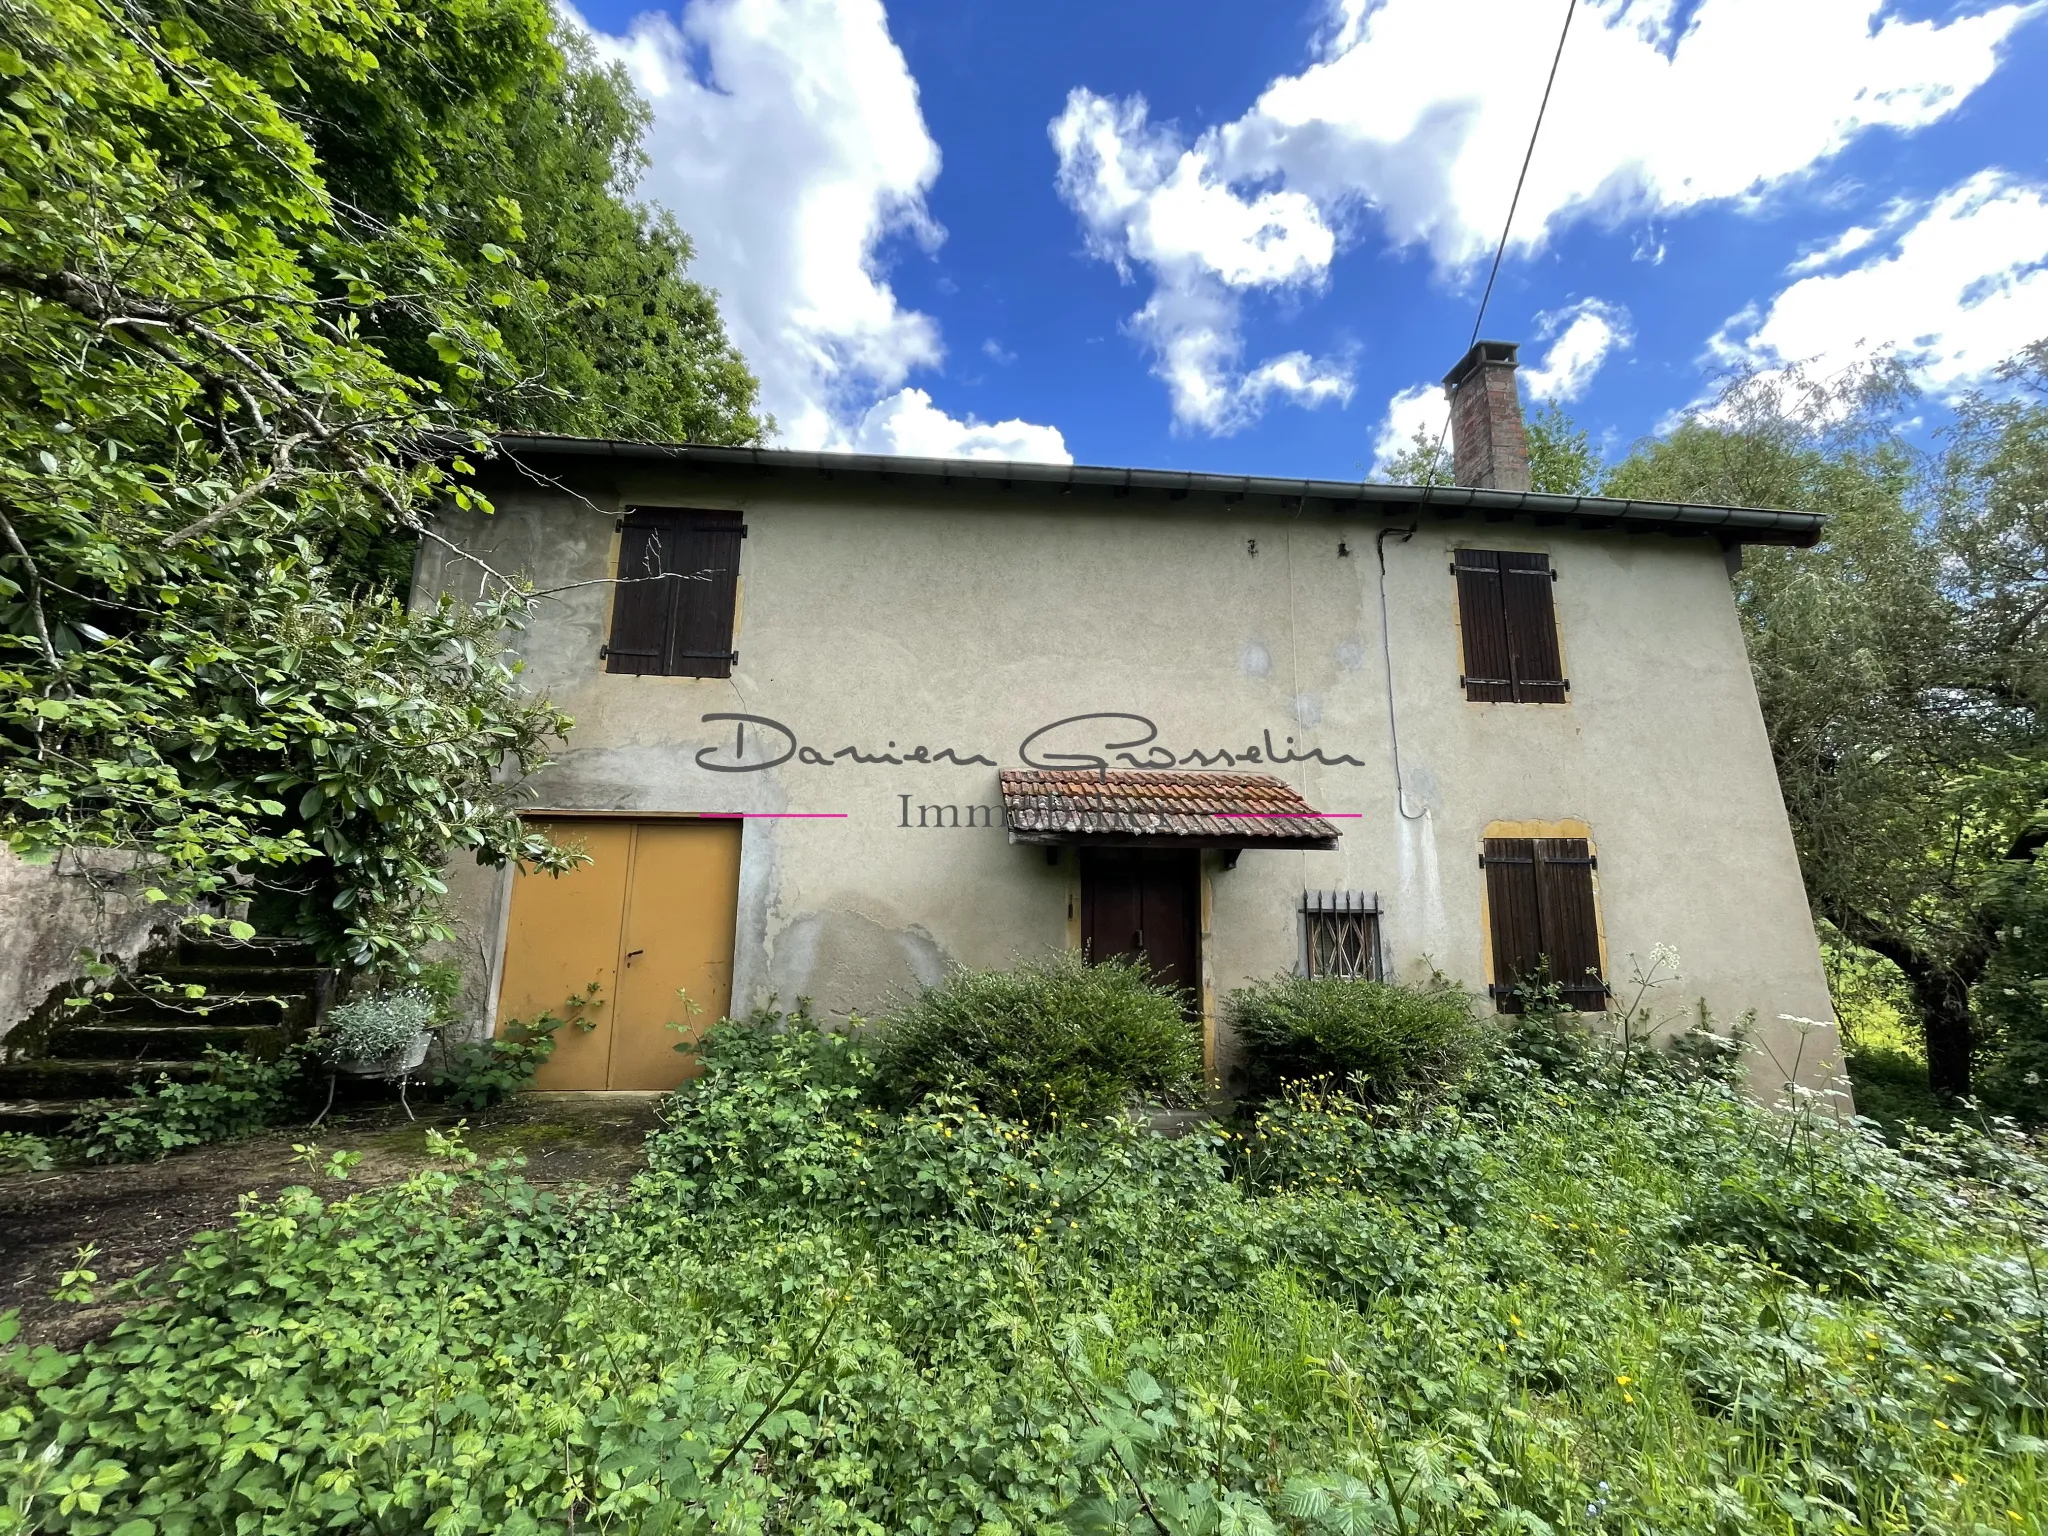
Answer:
(1831, 1231)
(1313, 1140)
(238, 1096)
(475, 1074)
(1051, 1039)
(813, 1314)
(23, 1153)
(1375, 1038)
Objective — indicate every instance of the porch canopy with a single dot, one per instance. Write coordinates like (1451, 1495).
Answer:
(1159, 808)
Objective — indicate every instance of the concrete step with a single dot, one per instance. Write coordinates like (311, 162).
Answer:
(163, 1040)
(285, 980)
(194, 950)
(38, 1117)
(238, 1008)
(99, 1078)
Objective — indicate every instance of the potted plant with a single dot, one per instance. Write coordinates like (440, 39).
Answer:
(383, 1035)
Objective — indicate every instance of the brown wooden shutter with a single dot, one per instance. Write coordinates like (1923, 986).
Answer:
(1482, 618)
(1539, 897)
(1512, 910)
(680, 627)
(1532, 629)
(1571, 928)
(1509, 625)
(640, 608)
(700, 638)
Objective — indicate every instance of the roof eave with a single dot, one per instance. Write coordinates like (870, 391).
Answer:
(1728, 525)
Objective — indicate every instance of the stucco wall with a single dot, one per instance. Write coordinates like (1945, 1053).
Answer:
(49, 912)
(969, 620)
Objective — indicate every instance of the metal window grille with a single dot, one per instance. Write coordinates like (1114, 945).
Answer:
(1342, 929)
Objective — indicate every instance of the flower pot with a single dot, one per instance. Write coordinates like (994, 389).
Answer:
(406, 1058)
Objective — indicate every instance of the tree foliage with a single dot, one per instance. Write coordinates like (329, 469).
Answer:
(228, 395)
(1562, 459)
(487, 123)
(1895, 663)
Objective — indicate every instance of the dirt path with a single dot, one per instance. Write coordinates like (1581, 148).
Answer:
(143, 1214)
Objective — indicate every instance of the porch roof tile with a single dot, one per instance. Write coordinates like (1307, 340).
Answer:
(1160, 808)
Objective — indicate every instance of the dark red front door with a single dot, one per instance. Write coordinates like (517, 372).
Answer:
(1145, 904)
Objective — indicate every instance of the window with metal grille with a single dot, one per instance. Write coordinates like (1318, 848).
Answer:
(1341, 930)
(1540, 905)
(1509, 625)
(672, 611)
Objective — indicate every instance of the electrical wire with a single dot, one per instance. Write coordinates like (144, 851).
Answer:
(1501, 249)
(1436, 456)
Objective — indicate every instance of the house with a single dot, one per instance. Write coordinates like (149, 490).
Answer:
(845, 721)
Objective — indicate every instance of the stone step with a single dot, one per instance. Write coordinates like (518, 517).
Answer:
(269, 1010)
(97, 1078)
(195, 950)
(285, 980)
(165, 1040)
(38, 1117)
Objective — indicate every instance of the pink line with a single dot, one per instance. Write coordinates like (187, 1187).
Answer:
(773, 815)
(1295, 815)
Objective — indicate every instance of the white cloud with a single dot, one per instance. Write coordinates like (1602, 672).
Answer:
(907, 422)
(1142, 199)
(1421, 408)
(1847, 243)
(788, 141)
(1581, 338)
(1417, 113)
(1961, 286)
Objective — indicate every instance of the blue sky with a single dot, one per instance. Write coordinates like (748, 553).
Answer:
(1244, 238)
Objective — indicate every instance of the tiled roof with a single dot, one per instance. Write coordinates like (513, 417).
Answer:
(1169, 809)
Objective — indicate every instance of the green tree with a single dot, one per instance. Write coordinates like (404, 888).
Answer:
(1562, 460)
(491, 123)
(196, 441)
(1875, 672)
(1990, 496)
(1425, 461)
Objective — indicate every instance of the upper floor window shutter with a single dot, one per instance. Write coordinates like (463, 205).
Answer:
(640, 604)
(1532, 629)
(1539, 898)
(701, 635)
(1509, 625)
(1483, 618)
(681, 626)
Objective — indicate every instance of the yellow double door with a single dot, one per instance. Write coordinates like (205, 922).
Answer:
(651, 920)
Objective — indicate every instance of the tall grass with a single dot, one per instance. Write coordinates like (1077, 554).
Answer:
(1576, 1302)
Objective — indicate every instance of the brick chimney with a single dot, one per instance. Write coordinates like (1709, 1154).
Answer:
(1488, 448)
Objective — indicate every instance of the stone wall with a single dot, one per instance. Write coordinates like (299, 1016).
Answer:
(50, 912)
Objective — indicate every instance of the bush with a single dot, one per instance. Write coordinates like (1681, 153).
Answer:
(475, 1074)
(813, 1314)
(1375, 1038)
(1313, 1141)
(1052, 1039)
(238, 1096)
(21, 1152)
